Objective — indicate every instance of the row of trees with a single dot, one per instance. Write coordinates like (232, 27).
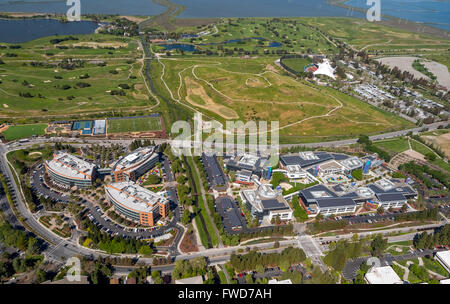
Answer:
(428, 241)
(115, 244)
(419, 172)
(370, 147)
(138, 143)
(254, 259)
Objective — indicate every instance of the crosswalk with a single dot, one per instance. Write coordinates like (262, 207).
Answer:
(312, 251)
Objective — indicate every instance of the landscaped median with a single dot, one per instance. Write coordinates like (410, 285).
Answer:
(202, 209)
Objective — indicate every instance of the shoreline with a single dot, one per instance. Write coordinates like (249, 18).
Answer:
(404, 24)
(174, 10)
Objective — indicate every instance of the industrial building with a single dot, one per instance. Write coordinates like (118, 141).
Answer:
(135, 164)
(137, 203)
(68, 170)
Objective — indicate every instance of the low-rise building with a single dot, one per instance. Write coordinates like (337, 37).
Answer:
(295, 172)
(391, 200)
(68, 170)
(134, 165)
(257, 165)
(193, 280)
(382, 275)
(243, 176)
(304, 159)
(137, 203)
(265, 203)
(443, 257)
(275, 281)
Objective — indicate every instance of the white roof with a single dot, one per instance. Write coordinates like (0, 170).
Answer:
(70, 166)
(325, 69)
(134, 197)
(136, 159)
(444, 256)
(446, 281)
(193, 280)
(274, 281)
(383, 275)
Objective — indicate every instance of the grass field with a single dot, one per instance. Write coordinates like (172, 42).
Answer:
(43, 86)
(393, 146)
(24, 131)
(134, 125)
(256, 90)
(291, 33)
(297, 64)
(376, 37)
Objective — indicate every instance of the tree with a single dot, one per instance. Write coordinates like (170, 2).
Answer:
(260, 268)
(430, 156)
(284, 265)
(41, 275)
(378, 246)
(249, 279)
(380, 210)
(186, 218)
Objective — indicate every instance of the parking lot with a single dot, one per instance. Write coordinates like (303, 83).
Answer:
(96, 214)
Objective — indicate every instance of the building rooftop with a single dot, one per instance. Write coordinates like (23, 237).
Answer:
(317, 192)
(134, 197)
(331, 165)
(352, 163)
(336, 202)
(265, 198)
(391, 197)
(193, 280)
(225, 202)
(383, 275)
(444, 256)
(274, 281)
(71, 166)
(135, 159)
(305, 159)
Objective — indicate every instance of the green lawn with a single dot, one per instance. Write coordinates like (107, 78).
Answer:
(134, 125)
(24, 131)
(423, 149)
(297, 64)
(434, 266)
(223, 278)
(393, 146)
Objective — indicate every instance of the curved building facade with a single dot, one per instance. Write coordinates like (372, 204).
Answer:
(137, 203)
(70, 171)
(134, 165)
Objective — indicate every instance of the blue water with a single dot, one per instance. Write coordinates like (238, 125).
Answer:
(259, 8)
(431, 12)
(23, 30)
(179, 46)
(122, 7)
